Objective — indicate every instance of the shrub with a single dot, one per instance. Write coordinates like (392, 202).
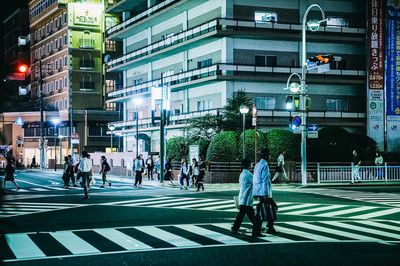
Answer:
(177, 148)
(223, 147)
(250, 143)
(283, 140)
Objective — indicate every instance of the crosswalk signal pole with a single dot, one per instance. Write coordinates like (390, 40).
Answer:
(162, 159)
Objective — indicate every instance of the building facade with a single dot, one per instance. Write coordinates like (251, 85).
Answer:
(208, 50)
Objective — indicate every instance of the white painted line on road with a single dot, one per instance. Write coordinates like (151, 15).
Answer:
(352, 210)
(334, 231)
(39, 189)
(216, 202)
(122, 239)
(74, 243)
(363, 229)
(173, 239)
(155, 202)
(198, 202)
(326, 208)
(138, 200)
(380, 225)
(376, 214)
(297, 206)
(305, 234)
(211, 234)
(181, 203)
(231, 204)
(23, 247)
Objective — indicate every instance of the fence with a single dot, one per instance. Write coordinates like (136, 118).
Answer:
(355, 173)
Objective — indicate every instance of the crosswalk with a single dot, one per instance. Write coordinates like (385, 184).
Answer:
(9, 209)
(391, 199)
(287, 208)
(59, 188)
(59, 244)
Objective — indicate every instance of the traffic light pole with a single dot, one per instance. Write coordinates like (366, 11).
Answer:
(162, 159)
(42, 163)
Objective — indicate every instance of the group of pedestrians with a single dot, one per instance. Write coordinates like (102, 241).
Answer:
(257, 186)
(195, 172)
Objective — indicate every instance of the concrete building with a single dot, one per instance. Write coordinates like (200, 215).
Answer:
(208, 50)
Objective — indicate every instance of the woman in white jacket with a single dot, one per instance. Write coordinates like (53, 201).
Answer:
(245, 196)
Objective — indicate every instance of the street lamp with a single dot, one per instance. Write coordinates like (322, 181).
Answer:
(313, 26)
(55, 122)
(137, 102)
(244, 110)
(61, 136)
(111, 128)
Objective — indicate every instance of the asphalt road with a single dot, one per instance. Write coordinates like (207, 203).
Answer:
(45, 224)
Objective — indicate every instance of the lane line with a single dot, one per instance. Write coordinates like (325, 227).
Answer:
(138, 200)
(122, 239)
(23, 247)
(73, 243)
(358, 209)
(326, 208)
(173, 239)
(155, 202)
(225, 239)
(380, 225)
(297, 206)
(305, 234)
(376, 214)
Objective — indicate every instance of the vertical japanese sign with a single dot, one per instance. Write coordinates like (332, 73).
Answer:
(393, 75)
(376, 71)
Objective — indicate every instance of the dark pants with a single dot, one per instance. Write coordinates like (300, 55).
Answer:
(138, 178)
(72, 177)
(239, 218)
(150, 172)
(85, 181)
(257, 220)
(183, 176)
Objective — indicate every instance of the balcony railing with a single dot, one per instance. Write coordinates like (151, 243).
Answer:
(222, 70)
(86, 43)
(177, 119)
(150, 11)
(86, 86)
(213, 25)
(86, 64)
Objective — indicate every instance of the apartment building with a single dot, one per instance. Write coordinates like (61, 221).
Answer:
(208, 50)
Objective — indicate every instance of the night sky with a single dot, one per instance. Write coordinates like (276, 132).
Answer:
(6, 10)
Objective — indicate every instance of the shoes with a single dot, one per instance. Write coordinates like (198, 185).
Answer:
(186, 188)
(86, 197)
(18, 188)
(66, 186)
(258, 235)
(109, 184)
(202, 189)
(272, 231)
(235, 232)
(181, 188)
(197, 190)
(101, 186)
(75, 185)
(287, 182)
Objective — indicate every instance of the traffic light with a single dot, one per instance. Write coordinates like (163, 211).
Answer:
(289, 103)
(22, 68)
(321, 59)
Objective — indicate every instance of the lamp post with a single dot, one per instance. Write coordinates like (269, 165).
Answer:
(244, 110)
(55, 122)
(61, 136)
(111, 128)
(313, 25)
(137, 102)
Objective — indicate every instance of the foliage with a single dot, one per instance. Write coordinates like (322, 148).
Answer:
(366, 147)
(177, 148)
(223, 147)
(204, 127)
(283, 140)
(232, 118)
(250, 143)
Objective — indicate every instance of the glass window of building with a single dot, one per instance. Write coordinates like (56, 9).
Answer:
(336, 105)
(265, 103)
(265, 17)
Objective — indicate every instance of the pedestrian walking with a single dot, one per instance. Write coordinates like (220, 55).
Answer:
(280, 168)
(378, 163)
(150, 167)
(65, 176)
(262, 191)
(245, 198)
(105, 168)
(194, 172)
(168, 172)
(202, 172)
(9, 171)
(71, 173)
(85, 167)
(158, 168)
(184, 174)
(356, 167)
(33, 163)
(138, 171)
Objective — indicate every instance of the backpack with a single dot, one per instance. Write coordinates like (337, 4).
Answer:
(108, 168)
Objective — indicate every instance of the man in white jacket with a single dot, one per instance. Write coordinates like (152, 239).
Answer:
(85, 166)
(281, 168)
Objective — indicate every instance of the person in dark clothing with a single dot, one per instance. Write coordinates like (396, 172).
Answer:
(150, 167)
(71, 173)
(10, 174)
(202, 172)
(356, 165)
(168, 172)
(105, 167)
(33, 164)
(138, 171)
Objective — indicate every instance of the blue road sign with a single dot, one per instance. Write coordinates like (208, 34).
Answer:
(19, 121)
(296, 121)
(313, 127)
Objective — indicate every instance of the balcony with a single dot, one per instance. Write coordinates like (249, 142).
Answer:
(86, 86)
(231, 71)
(270, 117)
(225, 27)
(86, 43)
(86, 64)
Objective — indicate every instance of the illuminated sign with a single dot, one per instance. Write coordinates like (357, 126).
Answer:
(19, 121)
(87, 15)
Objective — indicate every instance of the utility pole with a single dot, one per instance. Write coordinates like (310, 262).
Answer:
(42, 163)
(162, 130)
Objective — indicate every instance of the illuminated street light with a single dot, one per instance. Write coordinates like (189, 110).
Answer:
(244, 110)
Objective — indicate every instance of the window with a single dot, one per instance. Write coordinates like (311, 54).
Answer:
(267, 103)
(60, 83)
(265, 17)
(65, 61)
(65, 82)
(266, 60)
(110, 46)
(65, 104)
(204, 105)
(204, 63)
(337, 105)
(337, 22)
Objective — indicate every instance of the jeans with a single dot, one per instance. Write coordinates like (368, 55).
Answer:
(243, 210)
(85, 180)
(138, 178)
(183, 176)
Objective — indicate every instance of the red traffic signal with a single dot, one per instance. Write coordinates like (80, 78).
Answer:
(22, 68)
(321, 59)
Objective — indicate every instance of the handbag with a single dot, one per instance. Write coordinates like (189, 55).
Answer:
(236, 201)
(267, 210)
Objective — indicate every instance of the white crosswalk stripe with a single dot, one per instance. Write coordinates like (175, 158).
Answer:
(22, 208)
(24, 246)
(287, 208)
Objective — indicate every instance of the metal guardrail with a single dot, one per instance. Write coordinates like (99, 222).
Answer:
(356, 173)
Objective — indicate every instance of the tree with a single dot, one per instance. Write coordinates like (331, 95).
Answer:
(204, 127)
(223, 147)
(250, 143)
(177, 148)
(283, 140)
(233, 119)
(203, 146)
